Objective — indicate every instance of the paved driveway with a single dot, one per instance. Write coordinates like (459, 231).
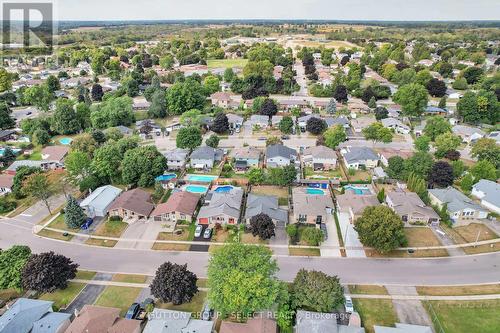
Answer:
(89, 294)
(409, 311)
(350, 237)
(332, 240)
(280, 238)
(146, 232)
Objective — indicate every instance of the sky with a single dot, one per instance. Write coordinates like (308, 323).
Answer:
(399, 10)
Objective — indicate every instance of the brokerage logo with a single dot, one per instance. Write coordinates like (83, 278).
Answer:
(28, 25)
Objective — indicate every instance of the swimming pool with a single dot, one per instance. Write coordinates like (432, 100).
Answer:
(166, 177)
(65, 141)
(199, 189)
(315, 191)
(224, 189)
(358, 190)
(201, 178)
(14, 150)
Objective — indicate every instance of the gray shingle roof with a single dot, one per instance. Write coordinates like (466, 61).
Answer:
(50, 323)
(491, 191)
(280, 151)
(454, 199)
(257, 204)
(356, 154)
(21, 316)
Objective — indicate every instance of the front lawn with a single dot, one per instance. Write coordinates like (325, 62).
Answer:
(107, 229)
(375, 312)
(129, 278)
(469, 234)
(467, 317)
(118, 297)
(195, 306)
(184, 236)
(63, 297)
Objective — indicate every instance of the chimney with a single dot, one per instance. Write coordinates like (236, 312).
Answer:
(77, 313)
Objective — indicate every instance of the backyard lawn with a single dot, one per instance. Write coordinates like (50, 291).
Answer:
(375, 312)
(280, 192)
(63, 297)
(469, 234)
(118, 297)
(226, 63)
(108, 229)
(310, 173)
(195, 306)
(467, 317)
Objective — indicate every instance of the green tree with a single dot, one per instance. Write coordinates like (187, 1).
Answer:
(316, 291)
(142, 165)
(331, 108)
(436, 126)
(413, 99)
(74, 216)
(372, 104)
(78, 165)
(53, 83)
(211, 84)
(487, 149)
(112, 112)
(377, 132)
(213, 141)
(256, 176)
(419, 164)
(5, 80)
(467, 182)
(460, 84)
(484, 170)
(396, 167)
(21, 174)
(286, 125)
(12, 262)
(184, 96)
(158, 107)
(188, 137)
(334, 136)
(6, 121)
(39, 96)
(381, 195)
(379, 227)
(40, 137)
(242, 279)
(446, 142)
(422, 143)
(65, 120)
(312, 236)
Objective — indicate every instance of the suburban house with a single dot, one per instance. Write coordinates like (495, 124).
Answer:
(311, 208)
(259, 121)
(11, 169)
(140, 103)
(489, 194)
(224, 208)
(253, 325)
(124, 130)
(359, 123)
(386, 153)
(169, 321)
(461, 209)
(292, 104)
(402, 328)
(411, 208)
(21, 316)
(467, 133)
(6, 182)
(495, 135)
(396, 125)
(221, 99)
(176, 158)
(235, 121)
(265, 204)
(99, 201)
(434, 110)
(353, 204)
(359, 157)
(204, 158)
(280, 156)
(246, 157)
(100, 319)
(7, 135)
(148, 126)
(132, 205)
(334, 121)
(52, 322)
(319, 158)
(54, 156)
(315, 322)
(181, 205)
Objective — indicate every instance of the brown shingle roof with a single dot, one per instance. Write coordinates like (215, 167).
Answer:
(6, 180)
(95, 319)
(54, 153)
(125, 326)
(182, 202)
(254, 325)
(136, 200)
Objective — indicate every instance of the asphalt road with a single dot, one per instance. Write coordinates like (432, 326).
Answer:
(443, 271)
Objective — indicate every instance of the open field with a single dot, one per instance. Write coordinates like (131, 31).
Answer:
(336, 44)
(469, 234)
(467, 317)
(118, 297)
(226, 63)
(375, 312)
(63, 297)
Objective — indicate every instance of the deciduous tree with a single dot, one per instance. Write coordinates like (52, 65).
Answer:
(12, 262)
(188, 137)
(262, 225)
(316, 126)
(441, 175)
(174, 283)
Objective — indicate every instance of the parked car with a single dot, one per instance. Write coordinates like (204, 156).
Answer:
(147, 302)
(206, 313)
(349, 307)
(262, 138)
(87, 223)
(325, 231)
(132, 311)
(285, 137)
(208, 233)
(198, 230)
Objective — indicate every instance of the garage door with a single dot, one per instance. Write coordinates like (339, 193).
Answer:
(203, 220)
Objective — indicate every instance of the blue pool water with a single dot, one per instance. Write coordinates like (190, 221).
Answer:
(15, 150)
(201, 178)
(224, 189)
(358, 190)
(196, 189)
(166, 177)
(315, 191)
(65, 141)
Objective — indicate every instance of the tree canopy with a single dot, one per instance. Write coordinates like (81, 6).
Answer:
(174, 283)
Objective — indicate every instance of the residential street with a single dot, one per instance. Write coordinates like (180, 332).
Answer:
(443, 271)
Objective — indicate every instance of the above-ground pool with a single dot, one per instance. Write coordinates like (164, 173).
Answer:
(167, 177)
(65, 141)
(223, 189)
(358, 190)
(315, 191)
(199, 189)
(201, 178)
(14, 150)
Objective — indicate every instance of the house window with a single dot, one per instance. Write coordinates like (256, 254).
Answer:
(319, 219)
(302, 218)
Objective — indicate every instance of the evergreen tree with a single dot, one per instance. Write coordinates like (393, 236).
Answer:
(74, 217)
(331, 108)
